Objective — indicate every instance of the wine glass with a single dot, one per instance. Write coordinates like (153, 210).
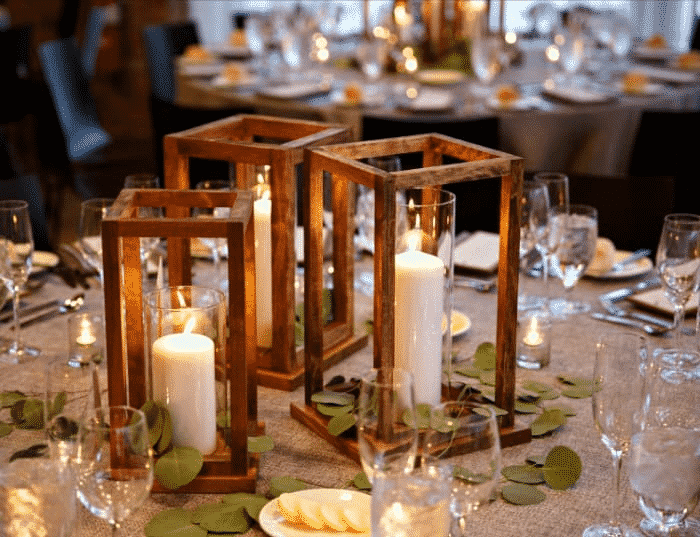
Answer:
(214, 244)
(92, 212)
(534, 227)
(464, 435)
(487, 57)
(372, 55)
(115, 463)
(258, 32)
(557, 185)
(138, 181)
(578, 232)
(621, 361)
(664, 465)
(17, 247)
(570, 41)
(678, 261)
(387, 436)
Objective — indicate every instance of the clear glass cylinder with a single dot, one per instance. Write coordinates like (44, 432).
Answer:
(424, 271)
(186, 365)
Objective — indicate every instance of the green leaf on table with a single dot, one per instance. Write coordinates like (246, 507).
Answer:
(423, 413)
(466, 475)
(489, 394)
(166, 436)
(280, 485)
(496, 410)
(333, 398)
(485, 356)
(565, 409)
(369, 326)
(523, 473)
(36, 451)
(549, 395)
(537, 387)
(574, 381)
(521, 494)
(334, 410)
(546, 422)
(525, 408)
(206, 509)
(536, 460)
(173, 523)
(488, 378)
(178, 467)
(229, 519)
(260, 444)
(578, 392)
(154, 422)
(468, 371)
(361, 481)
(562, 468)
(253, 503)
(5, 429)
(339, 424)
(28, 414)
(59, 402)
(7, 399)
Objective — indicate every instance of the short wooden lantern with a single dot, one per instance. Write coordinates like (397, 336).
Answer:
(229, 468)
(251, 141)
(342, 161)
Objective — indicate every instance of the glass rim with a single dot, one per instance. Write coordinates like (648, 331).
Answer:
(13, 205)
(451, 198)
(151, 296)
(107, 410)
(682, 218)
(549, 176)
(572, 206)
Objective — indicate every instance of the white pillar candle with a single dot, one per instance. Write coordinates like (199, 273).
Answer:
(418, 321)
(183, 379)
(262, 210)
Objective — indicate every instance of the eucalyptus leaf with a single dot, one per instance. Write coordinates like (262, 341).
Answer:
(166, 436)
(562, 468)
(496, 410)
(333, 398)
(578, 392)
(369, 326)
(206, 509)
(537, 387)
(28, 414)
(282, 484)
(361, 481)
(466, 475)
(488, 378)
(36, 451)
(173, 523)
(546, 422)
(260, 444)
(489, 394)
(5, 429)
(537, 460)
(549, 395)
(154, 422)
(565, 409)
(468, 371)
(253, 503)
(59, 402)
(339, 424)
(521, 494)
(178, 467)
(526, 408)
(423, 413)
(7, 399)
(333, 410)
(575, 381)
(523, 473)
(231, 519)
(485, 356)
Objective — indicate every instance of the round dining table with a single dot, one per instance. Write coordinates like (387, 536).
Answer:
(300, 453)
(587, 131)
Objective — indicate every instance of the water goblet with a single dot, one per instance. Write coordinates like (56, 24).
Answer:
(17, 246)
(619, 373)
(214, 244)
(146, 180)
(534, 227)
(664, 465)
(372, 55)
(487, 58)
(387, 437)
(678, 262)
(464, 436)
(114, 464)
(258, 31)
(570, 42)
(578, 232)
(92, 212)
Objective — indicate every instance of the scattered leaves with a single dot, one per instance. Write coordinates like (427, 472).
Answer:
(280, 485)
(178, 467)
(260, 444)
(7, 399)
(173, 523)
(333, 398)
(562, 468)
(521, 494)
(523, 473)
(36, 451)
(547, 422)
(361, 481)
(339, 424)
(485, 356)
(5, 429)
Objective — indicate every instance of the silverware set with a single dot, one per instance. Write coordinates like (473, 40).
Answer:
(31, 315)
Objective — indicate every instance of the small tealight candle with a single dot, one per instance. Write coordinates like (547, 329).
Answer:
(534, 339)
(85, 337)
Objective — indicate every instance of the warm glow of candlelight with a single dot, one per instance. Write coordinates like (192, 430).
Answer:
(534, 336)
(86, 336)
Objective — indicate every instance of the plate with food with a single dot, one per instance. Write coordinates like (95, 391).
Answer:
(607, 256)
(461, 324)
(439, 77)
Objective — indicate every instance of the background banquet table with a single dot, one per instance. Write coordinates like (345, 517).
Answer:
(301, 454)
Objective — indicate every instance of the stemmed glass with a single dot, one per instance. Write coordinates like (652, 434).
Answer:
(115, 463)
(665, 450)
(464, 435)
(386, 433)
(372, 55)
(578, 232)
(534, 227)
(678, 261)
(487, 57)
(258, 31)
(138, 181)
(17, 246)
(214, 244)
(92, 212)
(570, 41)
(621, 363)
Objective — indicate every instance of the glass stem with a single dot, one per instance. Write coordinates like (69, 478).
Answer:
(678, 314)
(545, 279)
(17, 344)
(617, 471)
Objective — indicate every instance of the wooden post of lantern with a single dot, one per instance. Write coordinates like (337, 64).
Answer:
(342, 161)
(250, 141)
(230, 468)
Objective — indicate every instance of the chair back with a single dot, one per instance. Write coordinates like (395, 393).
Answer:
(73, 102)
(163, 44)
(28, 188)
(14, 66)
(93, 36)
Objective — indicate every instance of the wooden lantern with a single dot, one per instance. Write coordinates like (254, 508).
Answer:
(250, 141)
(342, 161)
(229, 468)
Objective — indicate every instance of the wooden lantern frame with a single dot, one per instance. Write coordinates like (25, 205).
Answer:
(233, 139)
(342, 161)
(227, 469)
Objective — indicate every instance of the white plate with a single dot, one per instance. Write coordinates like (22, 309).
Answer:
(461, 324)
(578, 95)
(440, 77)
(201, 69)
(638, 268)
(431, 100)
(653, 53)
(478, 252)
(523, 103)
(274, 524)
(221, 81)
(227, 50)
(295, 91)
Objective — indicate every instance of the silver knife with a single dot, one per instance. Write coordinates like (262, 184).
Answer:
(619, 294)
(23, 312)
(635, 256)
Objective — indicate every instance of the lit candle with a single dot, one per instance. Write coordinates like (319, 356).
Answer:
(183, 379)
(418, 321)
(86, 336)
(533, 336)
(262, 210)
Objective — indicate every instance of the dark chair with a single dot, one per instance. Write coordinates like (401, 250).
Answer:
(163, 44)
(14, 65)
(28, 188)
(92, 38)
(478, 202)
(695, 36)
(631, 210)
(666, 145)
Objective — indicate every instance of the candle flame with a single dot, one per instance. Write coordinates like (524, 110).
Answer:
(533, 336)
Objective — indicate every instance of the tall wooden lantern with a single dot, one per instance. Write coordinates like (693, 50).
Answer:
(343, 162)
(252, 142)
(229, 468)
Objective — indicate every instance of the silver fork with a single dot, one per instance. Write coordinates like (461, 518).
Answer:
(616, 310)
